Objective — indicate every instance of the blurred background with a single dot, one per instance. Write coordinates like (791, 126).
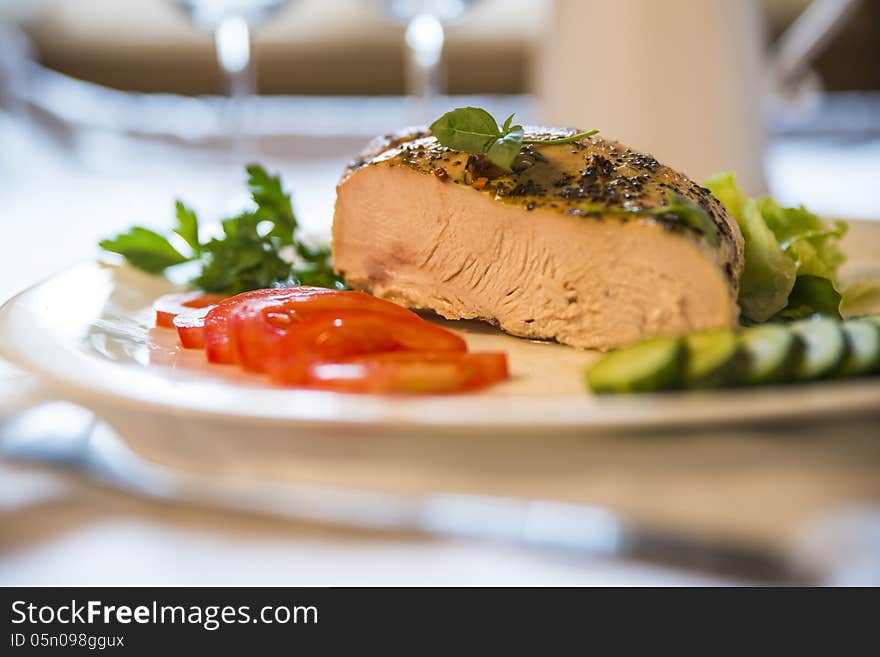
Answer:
(351, 47)
(110, 109)
(773, 89)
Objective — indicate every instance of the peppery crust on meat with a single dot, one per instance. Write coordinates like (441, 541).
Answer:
(529, 249)
(562, 178)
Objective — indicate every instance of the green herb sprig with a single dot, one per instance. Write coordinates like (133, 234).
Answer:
(677, 206)
(250, 254)
(474, 130)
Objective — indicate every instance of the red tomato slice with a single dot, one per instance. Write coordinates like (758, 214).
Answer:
(330, 336)
(169, 306)
(257, 325)
(191, 327)
(219, 347)
(489, 366)
(410, 372)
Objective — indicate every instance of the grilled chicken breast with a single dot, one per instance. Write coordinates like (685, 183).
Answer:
(433, 228)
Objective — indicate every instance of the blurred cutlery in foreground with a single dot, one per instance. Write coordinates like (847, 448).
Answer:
(69, 437)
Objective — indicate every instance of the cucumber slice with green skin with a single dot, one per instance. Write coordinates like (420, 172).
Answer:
(712, 359)
(648, 366)
(863, 340)
(825, 348)
(769, 350)
(874, 319)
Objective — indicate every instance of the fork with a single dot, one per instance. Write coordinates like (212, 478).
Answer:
(69, 437)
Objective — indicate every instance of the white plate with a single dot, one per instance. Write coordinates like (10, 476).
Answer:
(87, 332)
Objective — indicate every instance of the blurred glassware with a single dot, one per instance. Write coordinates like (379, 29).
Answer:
(232, 22)
(15, 54)
(795, 83)
(424, 38)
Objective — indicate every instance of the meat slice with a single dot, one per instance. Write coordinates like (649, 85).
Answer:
(432, 228)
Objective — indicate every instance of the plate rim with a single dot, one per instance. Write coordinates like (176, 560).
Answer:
(215, 399)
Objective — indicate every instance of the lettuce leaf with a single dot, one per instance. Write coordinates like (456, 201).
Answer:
(791, 256)
(860, 298)
(806, 238)
(769, 274)
(811, 295)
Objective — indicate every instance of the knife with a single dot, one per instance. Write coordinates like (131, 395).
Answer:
(70, 437)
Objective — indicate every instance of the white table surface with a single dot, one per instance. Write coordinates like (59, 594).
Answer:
(58, 196)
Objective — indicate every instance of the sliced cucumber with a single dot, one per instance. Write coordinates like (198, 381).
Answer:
(712, 359)
(647, 366)
(770, 351)
(874, 319)
(863, 355)
(824, 348)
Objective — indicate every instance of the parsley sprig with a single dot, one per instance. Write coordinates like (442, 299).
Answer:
(252, 253)
(474, 130)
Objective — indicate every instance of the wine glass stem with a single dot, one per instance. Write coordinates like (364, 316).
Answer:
(424, 40)
(234, 46)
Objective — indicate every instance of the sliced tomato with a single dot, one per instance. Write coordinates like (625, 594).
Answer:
(169, 306)
(333, 335)
(410, 372)
(489, 366)
(257, 325)
(264, 315)
(218, 345)
(190, 327)
(336, 340)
